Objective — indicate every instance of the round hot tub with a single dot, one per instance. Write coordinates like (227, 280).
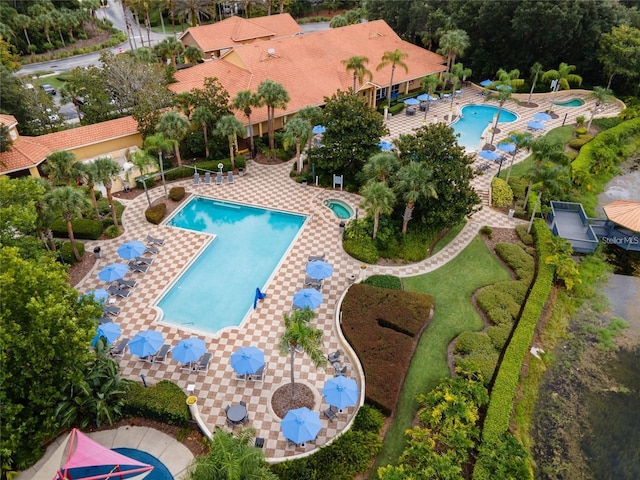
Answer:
(340, 209)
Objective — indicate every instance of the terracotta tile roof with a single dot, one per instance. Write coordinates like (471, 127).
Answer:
(28, 152)
(625, 213)
(8, 120)
(236, 30)
(310, 66)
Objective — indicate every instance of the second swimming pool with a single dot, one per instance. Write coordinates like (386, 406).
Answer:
(474, 121)
(218, 289)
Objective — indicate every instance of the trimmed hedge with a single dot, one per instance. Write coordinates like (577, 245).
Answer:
(519, 260)
(176, 193)
(501, 401)
(83, 229)
(501, 193)
(67, 252)
(384, 281)
(165, 402)
(156, 213)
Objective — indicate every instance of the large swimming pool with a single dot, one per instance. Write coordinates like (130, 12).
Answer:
(218, 289)
(474, 121)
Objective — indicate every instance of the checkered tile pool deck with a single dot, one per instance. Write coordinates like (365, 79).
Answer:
(267, 186)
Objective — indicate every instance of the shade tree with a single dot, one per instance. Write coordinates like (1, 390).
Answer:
(619, 52)
(297, 132)
(564, 77)
(413, 183)
(245, 101)
(453, 44)
(175, 127)
(395, 59)
(378, 199)
(70, 202)
(358, 65)
(229, 127)
(274, 96)
(505, 85)
(105, 170)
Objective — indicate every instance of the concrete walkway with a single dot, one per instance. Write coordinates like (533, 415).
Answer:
(173, 454)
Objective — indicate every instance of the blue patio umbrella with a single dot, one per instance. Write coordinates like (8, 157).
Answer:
(146, 343)
(486, 83)
(301, 425)
(111, 331)
(507, 147)
(340, 392)
(412, 101)
(307, 298)
(113, 272)
(508, 88)
(425, 97)
(385, 146)
(131, 249)
(489, 155)
(542, 117)
(247, 360)
(188, 350)
(99, 294)
(535, 125)
(319, 269)
(318, 129)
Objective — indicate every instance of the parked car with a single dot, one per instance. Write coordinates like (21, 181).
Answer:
(48, 88)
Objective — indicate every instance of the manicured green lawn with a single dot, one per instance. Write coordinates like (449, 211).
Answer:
(452, 286)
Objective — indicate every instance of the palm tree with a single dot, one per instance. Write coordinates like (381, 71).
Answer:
(175, 127)
(245, 100)
(87, 172)
(297, 131)
(430, 83)
(602, 96)
(230, 127)
(301, 335)
(159, 143)
(553, 180)
(453, 44)
(169, 48)
(414, 183)
(564, 77)
(393, 58)
(536, 70)
(378, 199)
(70, 201)
(505, 85)
(105, 170)
(380, 166)
(232, 457)
(273, 95)
(357, 64)
(455, 77)
(23, 21)
(193, 54)
(143, 161)
(70, 92)
(200, 118)
(520, 140)
(313, 115)
(61, 167)
(545, 150)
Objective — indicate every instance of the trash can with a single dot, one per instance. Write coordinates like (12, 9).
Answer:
(351, 279)
(511, 212)
(342, 225)
(96, 252)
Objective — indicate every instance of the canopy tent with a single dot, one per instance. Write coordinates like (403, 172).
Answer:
(83, 455)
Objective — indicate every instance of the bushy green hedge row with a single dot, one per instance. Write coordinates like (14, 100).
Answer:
(82, 228)
(210, 165)
(164, 402)
(67, 252)
(517, 259)
(349, 455)
(602, 153)
(501, 402)
(384, 281)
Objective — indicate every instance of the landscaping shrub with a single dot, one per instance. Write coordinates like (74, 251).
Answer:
(384, 281)
(164, 402)
(581, 131)
(176, 193)
(524, 236)
(112, 231)
(82, 229)
(486, 230)
(66, 252)
(519, 260)
(501, 193)
(577, 143)
(156, 213)
(384, 326)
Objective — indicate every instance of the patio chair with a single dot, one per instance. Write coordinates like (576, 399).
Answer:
(144, 260)
(313, 282)
(196, 179)
(155, 241)
(118, 292)
(341, 371)
(104, 320)
(330, 414)
(127, 283)
(203, 363)
(229, 176)
(118, 351)
(259, 442)
(334, 357)
(187, 366)
(111, 310)
(219, 178)
(138, 268)
(243, 403)
(152, 250)
(207, 178)
(313, 258)
(259, 374)
(161, 356)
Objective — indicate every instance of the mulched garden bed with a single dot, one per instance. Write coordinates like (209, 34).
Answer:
(383, 327)
(282, 400)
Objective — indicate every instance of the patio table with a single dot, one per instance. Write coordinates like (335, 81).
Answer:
(237, 413)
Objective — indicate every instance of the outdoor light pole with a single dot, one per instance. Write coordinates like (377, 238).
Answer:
(513, 157)
(164, 185)
(499, 166)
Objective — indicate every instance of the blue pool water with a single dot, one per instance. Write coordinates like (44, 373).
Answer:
(339, 209)
(159, 472)
(576, 102)
(218, 289)
(475, 119)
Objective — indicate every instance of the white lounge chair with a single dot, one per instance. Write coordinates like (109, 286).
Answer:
(207, 178)
(219, 178)
(155, 241)
(229, 176)
(118, 351)
(118, 292)
(259, 374)
(203, 363)
(161, 356)
(196, 179)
